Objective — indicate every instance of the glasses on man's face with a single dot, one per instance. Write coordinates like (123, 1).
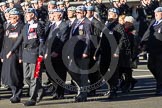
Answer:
(12, 17)
(79, 12)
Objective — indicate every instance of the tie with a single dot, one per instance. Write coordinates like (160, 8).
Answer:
(27, 29)
(53, 26)
(77, 24)
(156, 23)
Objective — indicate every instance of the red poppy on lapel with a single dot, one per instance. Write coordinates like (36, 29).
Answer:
(82, 22)
(12, 29)
(31, 30)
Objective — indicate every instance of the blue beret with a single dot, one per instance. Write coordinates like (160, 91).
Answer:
(14, 11)
(114, 10)
(81, 8)
(90, 8)
(51, 11)
(72, 8)
(58, 10)
(7, 10)
(52, 2)
(158, 9)
(31, 10)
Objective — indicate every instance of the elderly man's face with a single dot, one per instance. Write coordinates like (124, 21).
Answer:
(89, 14)
(29, 16)
(51, 17)
(80, 14)
(57, 16)
(50, 7)
(112, 15)
(14, 19)
(158, 16)
(71, 14)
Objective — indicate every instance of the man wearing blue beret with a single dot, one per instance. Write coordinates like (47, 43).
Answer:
(97, 28)
(32, 37)
(59, 32)
(81, 30)
(12, 73)
(152, 43)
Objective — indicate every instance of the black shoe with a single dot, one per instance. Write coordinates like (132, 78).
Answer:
(15, 100)
(40, 96)
(80, 99)
(107, 93)
(158, 93)
(126, 90)
(133, 82)
(112, 93)
(57, 96)
(30, 103)
(92, 93)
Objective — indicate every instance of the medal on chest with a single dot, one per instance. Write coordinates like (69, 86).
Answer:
(13, 35)
(7, 32)
(159, 30)
(81, 30)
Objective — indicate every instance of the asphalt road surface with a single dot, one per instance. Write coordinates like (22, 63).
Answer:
(143, 96)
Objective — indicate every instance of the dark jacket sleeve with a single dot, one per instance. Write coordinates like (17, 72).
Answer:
(62, 37)
(17, 43)
(145, 37)
(88, 30)
(121, 37)
(41, 36)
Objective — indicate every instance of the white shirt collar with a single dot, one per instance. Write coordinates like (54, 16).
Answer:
(160, 21)
(90, 18)
(14, 24)
(81, 19)
(31, 22)
(58, 23)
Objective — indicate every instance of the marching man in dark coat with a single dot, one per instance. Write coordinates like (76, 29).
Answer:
(58, 31)
(12, 74)
(32, 39)
(81, 31)
(152, 43)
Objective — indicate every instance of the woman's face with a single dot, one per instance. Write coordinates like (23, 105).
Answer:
(121, 21)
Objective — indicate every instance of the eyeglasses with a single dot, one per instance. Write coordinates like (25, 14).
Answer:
(12, 17)
(79, 12)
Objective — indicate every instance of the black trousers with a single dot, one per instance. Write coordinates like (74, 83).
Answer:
(155, 66)
(79, 73)
(93, 76)
(61, 71)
